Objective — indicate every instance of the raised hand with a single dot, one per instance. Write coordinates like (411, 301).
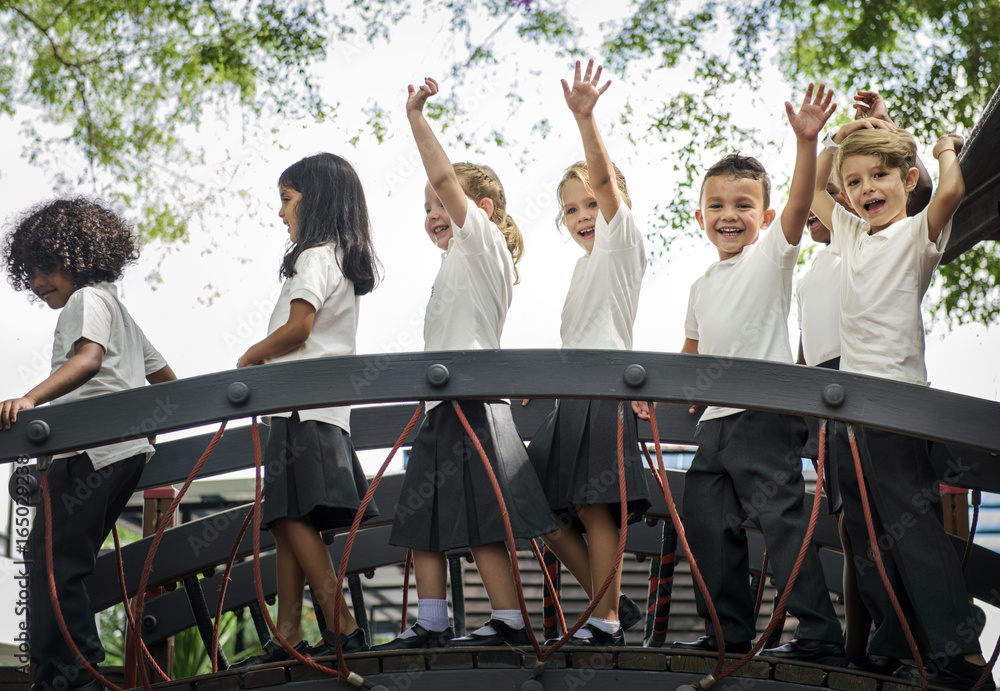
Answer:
(949, 142)
(816, 109)
(582, 97)
(870, 104)
(417, 97)
(863, 123)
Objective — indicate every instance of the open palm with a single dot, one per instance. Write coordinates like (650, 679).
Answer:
(816, 109)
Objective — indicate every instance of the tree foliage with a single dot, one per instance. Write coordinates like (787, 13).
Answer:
(125, 83)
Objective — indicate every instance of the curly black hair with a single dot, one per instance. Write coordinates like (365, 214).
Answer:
(82, 237)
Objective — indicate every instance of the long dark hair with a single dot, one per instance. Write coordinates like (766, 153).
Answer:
(332, 209)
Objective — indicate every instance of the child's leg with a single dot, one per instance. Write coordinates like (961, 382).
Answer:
(493, 563)
(859, 620)
(312, 561)
(571, 550)
(905, 486)
(291, 583)
(602, 540)
(431, 571)
(80, 524)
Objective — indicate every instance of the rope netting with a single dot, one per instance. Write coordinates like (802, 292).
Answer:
(341, 670)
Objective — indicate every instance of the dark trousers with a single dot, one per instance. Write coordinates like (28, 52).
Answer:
(921, 564)
(749, 465)
(85, 505)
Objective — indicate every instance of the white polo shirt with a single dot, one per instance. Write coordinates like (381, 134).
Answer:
(472, 290)
(739, 308)
(94, 312)
(603, 296)
(818, 297)
(319, 281)
(883, 279)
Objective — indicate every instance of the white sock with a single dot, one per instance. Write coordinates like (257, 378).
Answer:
(432, 614)
(510, 617)
(605, 625)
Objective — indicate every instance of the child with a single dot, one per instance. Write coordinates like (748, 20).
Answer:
(68, 252)
(888, 261)
(467, 218)
(313, 479)
(818, 297)
(575, 451)
(748, 462)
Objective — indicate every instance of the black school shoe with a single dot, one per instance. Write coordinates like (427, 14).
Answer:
(598, 638)
(423, 639)
(876, 664)
(272, 652)
(710, 644)
(809, 650)
(505, 635)
(629, 613)
(958, 673)
(356, 642)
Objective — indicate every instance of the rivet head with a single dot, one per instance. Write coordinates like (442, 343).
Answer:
(38, 431)
(438, 375)
(634, 375)
(149, 622)
(238, 393)
(834, 395)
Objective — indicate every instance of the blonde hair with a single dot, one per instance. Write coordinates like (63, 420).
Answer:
(892, 149)
(579, 171)
(479, 182)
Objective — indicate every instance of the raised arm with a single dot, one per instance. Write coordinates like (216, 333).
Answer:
(581, 99)
(440, 173)
(807, 123)
(72, 374)
(951, 185)
(822, 202)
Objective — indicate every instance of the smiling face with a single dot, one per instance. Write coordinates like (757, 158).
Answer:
(289, 210)
(732, 213)
(817, 231)
(877, 193)
(53, 287)
(580, 210)
(437, 223)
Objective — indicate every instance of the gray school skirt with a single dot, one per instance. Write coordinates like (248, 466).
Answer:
(447, 500)
(312, 472)
(575, 453)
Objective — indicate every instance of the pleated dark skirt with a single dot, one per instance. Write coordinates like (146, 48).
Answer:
(575, 453)
(447, 500)
(312, 472)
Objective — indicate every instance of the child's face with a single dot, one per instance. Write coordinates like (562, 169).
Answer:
(732, 213)
(878, 194)
(53, 287)
(289, 211)
(437, 223)
(580, 212)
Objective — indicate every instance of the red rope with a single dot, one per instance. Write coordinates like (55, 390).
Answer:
(140, 595)
(54, 597)
(876, 552)
(128, 612)
(341, 663)
(760, 586)
(406, 589)
(225, 584)
(599, 595)
(660, 473)
(507, 528)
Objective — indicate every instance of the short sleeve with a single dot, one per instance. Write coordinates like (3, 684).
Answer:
(691, 321)
(85, 315)
(312, 281)
(152, 360)
(619, 233)
(776, 246)
(477, 233)
(847, 223)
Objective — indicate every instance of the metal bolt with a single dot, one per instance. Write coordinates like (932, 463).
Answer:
(635, 375)
(438, 375)
(148, 622)
(834, 395)
(238, 393)
(38, 431)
